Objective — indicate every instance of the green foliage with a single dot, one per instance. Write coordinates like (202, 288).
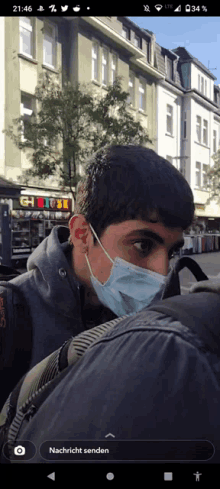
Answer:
(213, 175)
(69, 124)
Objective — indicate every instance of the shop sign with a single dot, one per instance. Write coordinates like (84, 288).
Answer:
(43, 203)
(200, 207)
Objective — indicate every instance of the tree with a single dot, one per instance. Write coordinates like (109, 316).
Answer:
(213, 179)
(79, 119)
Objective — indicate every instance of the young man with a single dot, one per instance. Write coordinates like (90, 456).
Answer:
(150, 377)
(137, 204)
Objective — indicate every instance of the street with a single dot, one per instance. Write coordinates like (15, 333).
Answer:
(209, 263)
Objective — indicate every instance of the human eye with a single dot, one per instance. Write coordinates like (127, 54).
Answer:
(144, 246)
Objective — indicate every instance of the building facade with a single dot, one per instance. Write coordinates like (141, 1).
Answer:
(188, 125)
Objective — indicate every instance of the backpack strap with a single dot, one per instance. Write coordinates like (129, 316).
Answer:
(36, 385)
(15, 338)
(172, 286)
(199, 312)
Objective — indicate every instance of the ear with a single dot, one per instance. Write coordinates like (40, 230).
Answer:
(80, 232)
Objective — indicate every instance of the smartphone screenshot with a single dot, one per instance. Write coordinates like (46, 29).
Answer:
(109, 181)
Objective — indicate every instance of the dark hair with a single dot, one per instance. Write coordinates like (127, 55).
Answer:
(129, 182)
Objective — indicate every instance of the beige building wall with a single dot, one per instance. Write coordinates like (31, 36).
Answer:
(2, 95)
(12, 94)
(22, 74)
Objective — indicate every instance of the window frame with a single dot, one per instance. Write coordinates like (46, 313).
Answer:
(139, 41)
(142, 93)
(106, 50)
(115, 70)
(131, 89)
(214, 141)
(29, 28)
(198, 172)
(199, 125)
(26, 111)
(170, 116)
(169, 68)
(125, 30)
(54, 45)
(95, 44)
(205, 132)
(202, 85)
(204, 185)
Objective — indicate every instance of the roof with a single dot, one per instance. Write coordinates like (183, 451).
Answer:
(160, 53)
(185, 56)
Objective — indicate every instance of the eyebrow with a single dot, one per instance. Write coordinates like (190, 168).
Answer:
(146, 233)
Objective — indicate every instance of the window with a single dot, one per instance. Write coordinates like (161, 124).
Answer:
(27, 107)
(148, 51)
(137, 42)
(125, 32)
(95, 61)
(170, 68)
(104, 66)
(214, 141)
(204, 176)
(202, 85)
(169, 119)
(199, 83)
(198, 174)
(141, 96)
(205, 132)
(49, 45)
(198, 128)
(114, 67)
(26, 36)
(131, 89)
(184, 125)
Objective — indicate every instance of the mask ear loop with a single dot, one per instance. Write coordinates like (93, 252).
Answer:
(101, 244)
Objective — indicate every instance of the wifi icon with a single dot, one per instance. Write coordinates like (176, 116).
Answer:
(158, 7)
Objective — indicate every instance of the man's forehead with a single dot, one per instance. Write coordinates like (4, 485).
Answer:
(154, 229)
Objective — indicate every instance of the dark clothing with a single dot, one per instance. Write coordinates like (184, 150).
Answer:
(148, 378)
(55, 296)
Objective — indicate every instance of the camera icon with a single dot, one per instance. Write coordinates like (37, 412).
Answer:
(19, 450)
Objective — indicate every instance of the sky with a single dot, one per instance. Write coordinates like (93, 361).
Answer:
(199, 35)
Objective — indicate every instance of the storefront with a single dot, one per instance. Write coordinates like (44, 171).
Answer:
(8, 192)
(204, 222)
(32, 219)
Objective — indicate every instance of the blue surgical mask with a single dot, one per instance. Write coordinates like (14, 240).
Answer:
(129, 288)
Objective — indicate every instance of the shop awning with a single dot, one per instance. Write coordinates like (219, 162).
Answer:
(9, 190)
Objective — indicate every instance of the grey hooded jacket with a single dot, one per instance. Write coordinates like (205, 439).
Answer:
(55, 297)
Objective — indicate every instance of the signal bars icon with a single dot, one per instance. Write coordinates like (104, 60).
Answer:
(158, 7)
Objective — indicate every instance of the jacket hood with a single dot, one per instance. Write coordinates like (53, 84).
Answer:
(53, 273)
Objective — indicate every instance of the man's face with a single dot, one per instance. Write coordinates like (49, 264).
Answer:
(145, 244)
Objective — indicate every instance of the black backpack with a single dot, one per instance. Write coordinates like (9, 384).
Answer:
(199, 312)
